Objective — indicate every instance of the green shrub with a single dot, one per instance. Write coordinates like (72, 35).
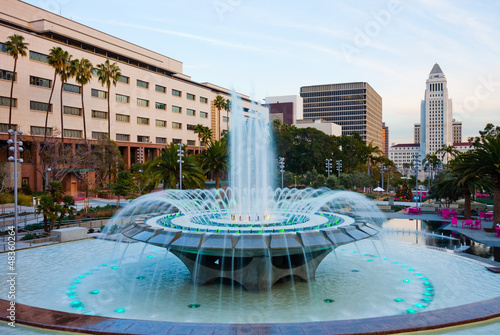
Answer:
(24, 200)
(28, 237)
(33, 226)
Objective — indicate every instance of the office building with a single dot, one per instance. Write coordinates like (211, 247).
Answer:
(356, 107)
(152, 105)
(287, 109)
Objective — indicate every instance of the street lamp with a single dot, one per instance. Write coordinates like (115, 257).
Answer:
(382, 169)
(180, 153)
(16, 147)
(328, 166)
(282, 169)
(416, 164)
(339, 166)
(140, 155)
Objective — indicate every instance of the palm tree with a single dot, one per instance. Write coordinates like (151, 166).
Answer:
(228, 109)
(373, 152)
(65, 72)
(83, 75)
(108, 74)
(165, 167)
(57, 60)
(216, 160)
(448, 151)
(484, 160)
(220, 104)
(15, 47)
(204, 134)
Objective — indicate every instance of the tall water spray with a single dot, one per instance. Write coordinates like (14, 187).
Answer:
(252, 164)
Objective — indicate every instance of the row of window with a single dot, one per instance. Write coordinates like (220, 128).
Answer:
(332, 93)
(36, 56)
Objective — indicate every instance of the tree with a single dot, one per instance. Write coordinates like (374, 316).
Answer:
(403, 193)
(50, 205)
(165, 167)
(122, 186)
(15, 47)
(106, 160)
(108, 74)
(227, 108)
(65, 72)
(445, 188)
(448, 151)
(219, 103)
(373, 153)
(83, 76)
(204, 134)
(67, 208)
(57, 59)
(484, 160)
(216, 160)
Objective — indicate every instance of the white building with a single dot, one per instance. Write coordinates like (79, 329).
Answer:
(328, 128)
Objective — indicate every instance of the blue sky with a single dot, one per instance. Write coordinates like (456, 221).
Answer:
(264, 48)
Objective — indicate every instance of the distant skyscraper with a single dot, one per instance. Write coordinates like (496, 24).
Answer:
(436, 122)
(385, 140)
(354, 106)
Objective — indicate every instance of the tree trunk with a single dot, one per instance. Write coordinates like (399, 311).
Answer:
(11, 93)
(496, 200)
(84, 122)
(217, 181)
(45, 224)
(48, 106)
(62, 117)
(467, 203)
(60, 221)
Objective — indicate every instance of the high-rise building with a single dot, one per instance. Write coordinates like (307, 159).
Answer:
(287, 109)
(357, 107)
(385, 140)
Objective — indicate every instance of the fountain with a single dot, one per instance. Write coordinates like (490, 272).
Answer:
(250, 233)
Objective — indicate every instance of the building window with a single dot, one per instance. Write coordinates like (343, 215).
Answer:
(204, 115)
(99, 115)
(190, 96)
(142, 102)
(161, 123)
(99, 94)
(97, 135)
(161, 140)
(5, 101)
(6, 75)
(72, 88)
(3, 48)
(160, 105)
(143, 84)
(142, 120)
(40, 131)
(72, 133)
(4, 127)
(40, 106)
(176, 109)
(39, 57)
(225, 119)
(191, 142)
(72, 111)
(191, 112)
(123, 137)
(176, 125)
(42, 82)
(25, 181)
(142, 139)
(124, 79)
(190, 126)
(176, 141)
(122, 98)
(203, 100)
(176, 93)
(122, 118)
(161, 89)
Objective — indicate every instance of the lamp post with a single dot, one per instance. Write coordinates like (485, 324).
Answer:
(140, 155)
(180, 153)
(328, 166)
(382, 169)
(416, 164)
(282, 169)
(16, 147)
(339, 166)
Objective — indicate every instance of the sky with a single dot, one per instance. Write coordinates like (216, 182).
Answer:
(271, 48)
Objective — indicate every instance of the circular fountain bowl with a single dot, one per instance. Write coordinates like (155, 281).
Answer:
(256, 254)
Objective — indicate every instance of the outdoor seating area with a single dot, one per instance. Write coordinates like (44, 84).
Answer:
(413, 210)
(447, 213)
(472, 224)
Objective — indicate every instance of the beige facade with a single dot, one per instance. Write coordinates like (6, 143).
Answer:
(152, 105)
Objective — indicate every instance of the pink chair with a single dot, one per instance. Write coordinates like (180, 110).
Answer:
(488, 216)
(467, 223)
(446, 215)
(454, 222)
(498, 231)
(476, 225)
(482, 216)
(453, 213)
